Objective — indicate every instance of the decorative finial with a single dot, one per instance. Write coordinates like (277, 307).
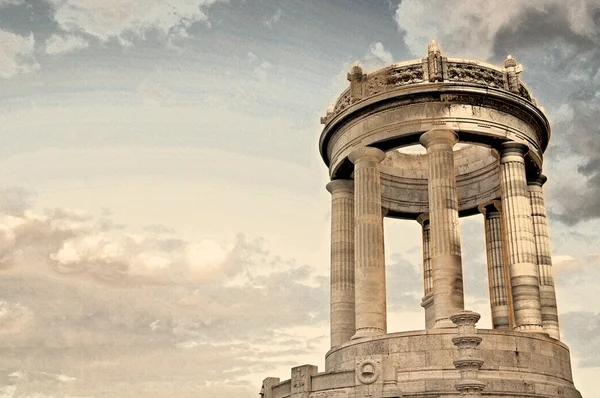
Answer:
(435, 62)
(434, 47)
(330, 109)
(510, 62)
(355, 72)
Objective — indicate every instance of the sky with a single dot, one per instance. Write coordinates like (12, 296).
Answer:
(164, 226)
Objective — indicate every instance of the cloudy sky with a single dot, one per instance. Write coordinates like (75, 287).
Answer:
(164, 227)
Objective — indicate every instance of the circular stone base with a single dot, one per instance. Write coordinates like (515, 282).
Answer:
(420, 364)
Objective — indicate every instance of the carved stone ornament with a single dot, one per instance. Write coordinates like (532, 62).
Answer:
(405, 75)
(298, 378)
(475, 74)
(343, 102)
(367, 371)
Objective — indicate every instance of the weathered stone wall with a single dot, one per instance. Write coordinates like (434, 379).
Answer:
(421, 365)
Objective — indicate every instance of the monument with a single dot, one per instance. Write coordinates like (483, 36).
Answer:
(484, 137)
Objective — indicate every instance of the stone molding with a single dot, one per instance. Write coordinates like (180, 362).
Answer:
(434, 69)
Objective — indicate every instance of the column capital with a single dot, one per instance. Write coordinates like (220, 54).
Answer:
(366, 154)
(340, 186)
(538, 180)
(423, 218)
(512, 148)
(438, 136)
(489, 208)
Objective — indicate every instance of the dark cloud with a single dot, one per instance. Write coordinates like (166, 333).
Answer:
(25, 17)
(535, 28)
(561, 58)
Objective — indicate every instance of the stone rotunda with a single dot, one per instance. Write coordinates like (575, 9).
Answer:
(483, 138)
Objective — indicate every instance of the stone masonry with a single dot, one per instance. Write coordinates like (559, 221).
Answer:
(484, 137)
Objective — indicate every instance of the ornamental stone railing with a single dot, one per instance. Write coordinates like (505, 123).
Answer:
(433, 69)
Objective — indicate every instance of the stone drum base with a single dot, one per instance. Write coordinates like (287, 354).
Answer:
(422, 364)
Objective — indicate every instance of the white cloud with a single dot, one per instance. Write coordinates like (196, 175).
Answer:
(377, 56)
(65, 378)
(117, 18)
(14, 317)
(59, 44)
(273, 19)
(206, 258)
(16, 54)
(467, 29)
(134, 336)
(261, 71)
(8, 392)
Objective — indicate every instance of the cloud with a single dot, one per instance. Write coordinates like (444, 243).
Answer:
(470, 30)
(405, 288)
(123, 20)
(16, 54)
(15, 200)
(72, 242)
(59, 44)
(378, 52)
(14, 317)
(558, 44)
(4, 3)
(581, 331)
(560, 49)
(138, 310)
(377, 57)
(273, 19)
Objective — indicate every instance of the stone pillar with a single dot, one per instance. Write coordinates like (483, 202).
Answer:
(468, 361)
(495, 262)
(446, 260)
(521, 252)
(427, 301)
(434, 62)
(267, 387)
(356, 77)
(369, 260)
(544, 256)
(302, 380)
(342, 261)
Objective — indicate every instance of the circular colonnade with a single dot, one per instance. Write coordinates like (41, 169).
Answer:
(482, 137)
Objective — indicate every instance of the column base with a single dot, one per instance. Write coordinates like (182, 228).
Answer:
(367, 332)
(530, 329)
(553, 331)
(443, 323)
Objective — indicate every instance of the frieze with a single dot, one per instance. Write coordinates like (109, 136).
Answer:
(487, 102)
(390, 78)
(405, 75)
(376, 84)
(524, 93)
(343, 102)
(466, 99)
(475, 74)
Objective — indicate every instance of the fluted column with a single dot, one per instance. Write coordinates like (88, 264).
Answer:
(369, 262)
(521, 251)
(495, 261)
(544, 256)
(446, 260)
(342, 261)
(427, 301)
